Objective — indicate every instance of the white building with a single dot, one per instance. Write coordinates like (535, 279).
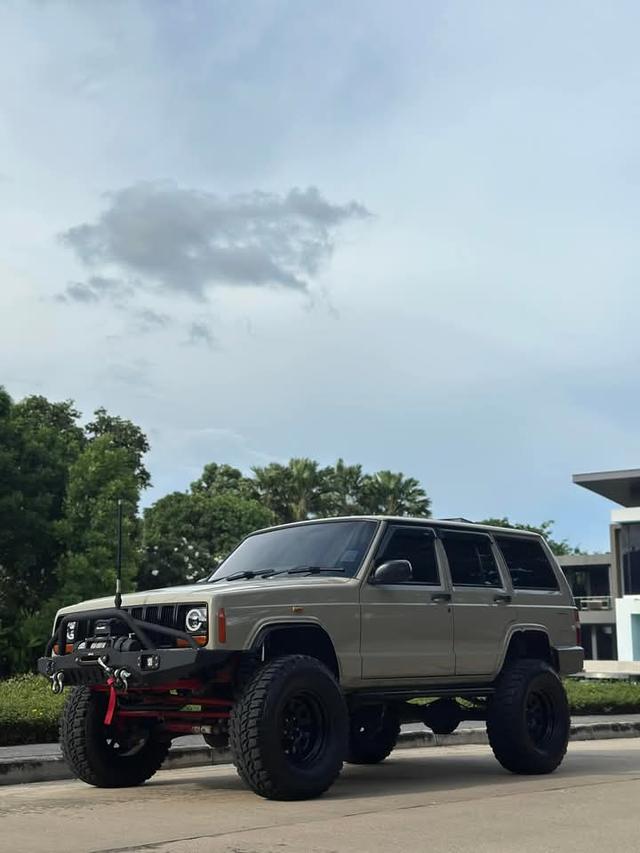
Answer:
(623, 488)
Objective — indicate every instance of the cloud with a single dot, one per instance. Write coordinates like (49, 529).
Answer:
(199, 333)
(184, 240)
(95, 289)
(148, 320)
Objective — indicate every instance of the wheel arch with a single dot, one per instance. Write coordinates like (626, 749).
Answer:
(305, 637)
(528, 641)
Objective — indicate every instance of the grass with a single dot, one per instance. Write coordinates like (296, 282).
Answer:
(29, 711)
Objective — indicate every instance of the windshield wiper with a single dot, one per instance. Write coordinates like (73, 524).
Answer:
(248, 574)
(313, 570)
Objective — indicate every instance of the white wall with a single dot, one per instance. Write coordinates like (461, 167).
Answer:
(628, 627)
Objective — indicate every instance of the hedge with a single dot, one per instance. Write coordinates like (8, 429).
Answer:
(29, 711)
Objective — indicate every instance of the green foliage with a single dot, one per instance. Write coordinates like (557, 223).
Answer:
(123, 434)
(301, 489)
(545, 529)
(387, 493)
(58, 489)
(603, 697)
(29, 711)
(186, 534)
(295, 491)
(223, 479)
(102, 474)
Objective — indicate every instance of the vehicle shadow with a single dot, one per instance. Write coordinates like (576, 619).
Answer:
(431, 771)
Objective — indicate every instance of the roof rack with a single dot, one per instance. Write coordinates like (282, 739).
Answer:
(459, 518)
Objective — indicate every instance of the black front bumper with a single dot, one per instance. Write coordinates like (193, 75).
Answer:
(169, 665)
(147, 666)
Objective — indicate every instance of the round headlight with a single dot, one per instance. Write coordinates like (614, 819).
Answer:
(72, 628)
(196, 619)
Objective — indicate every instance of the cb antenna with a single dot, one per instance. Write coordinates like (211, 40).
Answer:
(118, 599)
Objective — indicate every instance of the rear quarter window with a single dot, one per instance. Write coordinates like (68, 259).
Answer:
(527, 562)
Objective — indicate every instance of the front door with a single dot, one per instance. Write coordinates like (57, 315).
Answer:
(407, 628)
(482, 609)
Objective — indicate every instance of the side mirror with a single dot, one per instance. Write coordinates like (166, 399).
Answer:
(394, 571)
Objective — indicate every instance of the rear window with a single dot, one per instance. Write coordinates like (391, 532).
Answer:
(527, 563)
(470, 560)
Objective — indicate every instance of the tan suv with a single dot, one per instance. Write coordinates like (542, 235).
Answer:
(309, 645)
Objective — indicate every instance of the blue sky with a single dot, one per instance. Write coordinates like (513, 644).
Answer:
(401, 233)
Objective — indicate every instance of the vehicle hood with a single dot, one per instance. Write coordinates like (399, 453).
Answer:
(200, 592)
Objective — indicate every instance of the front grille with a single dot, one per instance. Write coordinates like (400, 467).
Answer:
(168, 615)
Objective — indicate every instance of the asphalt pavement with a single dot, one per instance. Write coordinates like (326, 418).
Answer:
(453, 799)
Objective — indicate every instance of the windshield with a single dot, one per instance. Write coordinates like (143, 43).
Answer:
(335, 545)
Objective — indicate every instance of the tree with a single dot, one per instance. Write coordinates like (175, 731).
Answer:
(389, 493)
(44, 440)
(295, 491)
(102, 475)
(545, 529)
(223, 480)
(186, 534)
(124, 434)
(345, 485)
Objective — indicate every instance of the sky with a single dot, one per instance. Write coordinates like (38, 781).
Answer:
(405, 234)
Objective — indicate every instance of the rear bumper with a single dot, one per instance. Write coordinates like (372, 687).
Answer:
(570, 659)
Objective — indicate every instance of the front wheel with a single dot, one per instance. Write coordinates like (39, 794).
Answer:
(288, 729)
(106, 756)
(528, 720)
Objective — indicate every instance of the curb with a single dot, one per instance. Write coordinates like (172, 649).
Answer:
(52, 768)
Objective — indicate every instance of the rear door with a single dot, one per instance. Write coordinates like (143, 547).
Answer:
(407, 628)
(481, 601)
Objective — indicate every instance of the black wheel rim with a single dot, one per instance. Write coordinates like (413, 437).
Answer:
(126, 743)
(304, 729)
(540, 717)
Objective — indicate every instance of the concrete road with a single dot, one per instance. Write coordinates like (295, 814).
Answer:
(454, 799)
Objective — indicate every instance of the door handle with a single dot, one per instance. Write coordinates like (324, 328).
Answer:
(502, 599)
(441, 596)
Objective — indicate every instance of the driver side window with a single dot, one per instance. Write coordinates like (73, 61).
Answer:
(416, 545)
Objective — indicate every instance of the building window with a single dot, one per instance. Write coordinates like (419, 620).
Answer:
(630, 554)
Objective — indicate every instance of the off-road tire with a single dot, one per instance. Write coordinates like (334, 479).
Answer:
(373, 733)
(85, 745)
(528, 720)
(260, 730)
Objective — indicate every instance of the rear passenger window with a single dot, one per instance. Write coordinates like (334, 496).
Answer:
(527, 562)
(471, 560)
(416, 545)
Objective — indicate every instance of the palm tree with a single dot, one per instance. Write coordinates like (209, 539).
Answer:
(294, 491)
(345, 483)
(388, 493)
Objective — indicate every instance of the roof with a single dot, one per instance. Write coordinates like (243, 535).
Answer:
(621, 487)
(404, 519)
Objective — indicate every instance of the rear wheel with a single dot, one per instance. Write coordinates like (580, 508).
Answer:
(107, 756)
(373, 733)
(528, 718)
(288, 729)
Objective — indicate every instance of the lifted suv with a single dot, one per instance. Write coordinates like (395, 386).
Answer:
(308, 646)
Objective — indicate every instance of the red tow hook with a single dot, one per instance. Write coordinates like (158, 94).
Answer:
(112, 704)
